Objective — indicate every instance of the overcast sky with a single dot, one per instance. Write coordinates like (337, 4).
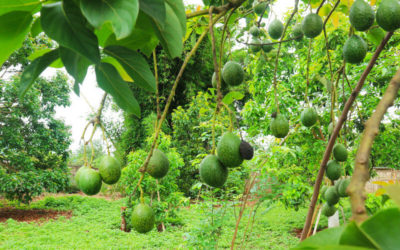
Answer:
(76, 114)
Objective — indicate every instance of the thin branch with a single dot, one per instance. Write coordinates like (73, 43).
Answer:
(271, 43)
(320, 6)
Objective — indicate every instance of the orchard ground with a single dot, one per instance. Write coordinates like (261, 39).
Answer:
(94, 223)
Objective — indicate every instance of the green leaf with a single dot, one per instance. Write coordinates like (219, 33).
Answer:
(155, 9)
(104, 33)
(376, 35)
(142, 38)
(232, 96)
(75, 64)
(353, 236)
(19, 5)
(118, 66)
(33, 70)
(14, 26)
(121, 14)
(63, 22)
(327, 237)
(179, 9)
(384, 228)
(135, 65)
(111, 82)
(36, 28)
(171, 34)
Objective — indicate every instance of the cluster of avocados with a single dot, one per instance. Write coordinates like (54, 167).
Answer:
(332, 194)
(90, 181)
(231, 151)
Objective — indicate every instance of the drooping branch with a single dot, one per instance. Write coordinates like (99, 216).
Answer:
(336, 131)
(360, 176)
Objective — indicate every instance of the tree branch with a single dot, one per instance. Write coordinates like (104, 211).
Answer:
(356, 189)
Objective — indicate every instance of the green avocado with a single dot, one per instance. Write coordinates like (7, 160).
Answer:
(388, 15)
(275, 29)
(279, 126)
(297, 32)
(260, 7)
(309, 117)
(340, 152)
(337, 184)
(322, 192)
(267, 47)
(228, 150)
(361, 15)
(312, 25)
(333, 170)
(342, 187)
(254, 31)
(214, 82)
(78, 173)
(142, 218)
(89, 181)
(212, 172)
(355, 49)
(255, 48)
(328, 210)
(331, 196)
(110, 169)
(233, 73)
(158, 165)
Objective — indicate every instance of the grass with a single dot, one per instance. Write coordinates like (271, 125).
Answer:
(95, 225)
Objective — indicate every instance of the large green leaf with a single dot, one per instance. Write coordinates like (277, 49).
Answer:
(171, 34)
(65, 23)
(36, 28)
(104, 33)
(384, 228)
(179, 9)
(121, 14)
(111, 82)
(354, 236)
(19, 5)
(118, 66)
(232, 96)
(75, 64)
(135, 65)
(155, 9)
(142, 38)
(14, 26)
(33, 70)
(327, 237)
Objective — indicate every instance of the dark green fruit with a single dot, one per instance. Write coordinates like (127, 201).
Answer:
(267, 47)
(328, 210)
(255, 48)
(342, 188)
(279, 126)
(355, 49)
(340, 152)
(142, 218)
(228, 150)
(333, 170)
(312, 25)
(158, 165)
(255, 31)
(322, 192)
(361, 15)
(212, 172)
(233, 73)
(330, 128)
(78, 173)
(331, 196)
(89, 181)
(309, 117)
(337, 184)
(297, 32)
(260, 7)
(262, 25)
(110, 169)
(275, 29)
(246, 150)
(388, 15)
(214, 82)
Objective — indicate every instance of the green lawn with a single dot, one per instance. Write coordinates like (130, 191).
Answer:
(96, 221)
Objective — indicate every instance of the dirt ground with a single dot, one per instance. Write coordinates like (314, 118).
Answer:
(31, 215)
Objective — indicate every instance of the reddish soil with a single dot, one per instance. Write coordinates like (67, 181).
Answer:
(297, 231)
(32, 215)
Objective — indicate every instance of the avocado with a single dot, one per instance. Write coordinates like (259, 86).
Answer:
(322, 192)
(343, 187)
(330, 128)
(228, 150)
(297, 32)
(255, 48)
(142, 218)
(340, 152)
(233, 73)
(158, 165)
(260, 7)
(275, 29)
(267, 47)
(110, 169)
(246, 150)
(388, 15)
(89, 181)
(78, 173)
(355, 49)
(331, 196)
(212, 172)
(214, 82)
(361, 15)
(279, 126)
(312, 25)
(333, 170)
(328, 210)
(254, 31)
(337, 184)
(309, 117)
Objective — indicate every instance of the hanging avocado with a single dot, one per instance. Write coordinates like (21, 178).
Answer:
(355, 49)
(333, 170)
(388, 15)
(361, 15)
(279, 126)
(309, 117)
(312, 25)
(275, 29)
(228, 150)
(212, 172)
(232, 73)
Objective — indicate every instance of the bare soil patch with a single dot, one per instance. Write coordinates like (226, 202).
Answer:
(31, 215)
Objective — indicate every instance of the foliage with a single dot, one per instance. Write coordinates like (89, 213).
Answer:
(34, 144)
(386, 145)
